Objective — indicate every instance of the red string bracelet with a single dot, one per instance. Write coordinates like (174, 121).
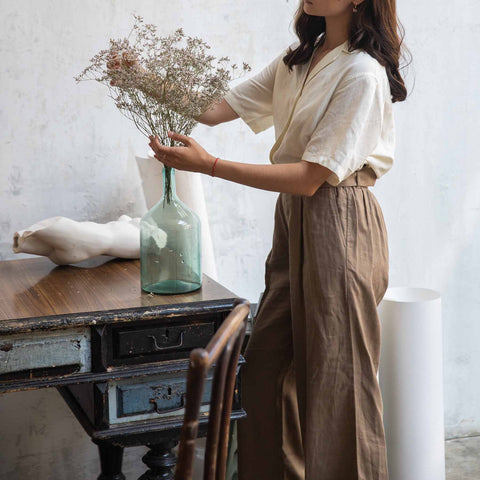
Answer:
(213, 168)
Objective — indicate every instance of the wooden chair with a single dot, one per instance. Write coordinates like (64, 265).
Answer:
(223, 351)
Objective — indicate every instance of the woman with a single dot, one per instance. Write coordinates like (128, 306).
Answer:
(309, 386)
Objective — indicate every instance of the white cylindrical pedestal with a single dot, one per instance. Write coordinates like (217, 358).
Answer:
(411, 382)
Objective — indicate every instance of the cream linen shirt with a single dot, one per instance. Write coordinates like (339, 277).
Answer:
(341, 116)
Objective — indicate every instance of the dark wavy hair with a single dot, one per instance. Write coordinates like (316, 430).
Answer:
(373, 29)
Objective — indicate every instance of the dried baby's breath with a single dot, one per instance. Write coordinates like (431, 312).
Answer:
(161, 83)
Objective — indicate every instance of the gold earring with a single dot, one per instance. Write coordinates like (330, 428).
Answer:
(355, 7)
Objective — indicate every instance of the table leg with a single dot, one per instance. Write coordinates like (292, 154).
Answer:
(160, 460)
(111, 462)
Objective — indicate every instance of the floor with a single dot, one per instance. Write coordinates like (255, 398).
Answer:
(462, 458)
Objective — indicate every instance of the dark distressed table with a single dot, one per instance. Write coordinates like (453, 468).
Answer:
(118, 356)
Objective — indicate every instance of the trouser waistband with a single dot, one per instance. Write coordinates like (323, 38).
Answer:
(364, 177)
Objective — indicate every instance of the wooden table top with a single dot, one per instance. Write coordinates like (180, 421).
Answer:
(36, 294)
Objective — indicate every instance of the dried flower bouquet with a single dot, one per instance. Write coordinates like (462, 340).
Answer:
(158, 83)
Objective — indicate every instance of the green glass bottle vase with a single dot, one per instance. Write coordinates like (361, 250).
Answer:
(170, 244)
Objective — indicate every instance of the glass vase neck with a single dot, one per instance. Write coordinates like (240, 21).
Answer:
(169, 184)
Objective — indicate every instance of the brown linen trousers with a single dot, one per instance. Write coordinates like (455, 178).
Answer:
(309, 385)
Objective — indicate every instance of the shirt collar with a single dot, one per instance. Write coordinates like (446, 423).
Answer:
(345, 47)
(329, 57)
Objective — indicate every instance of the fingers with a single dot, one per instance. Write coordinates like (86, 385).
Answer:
(166, 155)
(159, 150)
(179, 137)
(155, 142)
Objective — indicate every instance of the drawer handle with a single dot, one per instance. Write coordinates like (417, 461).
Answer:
(168, 410)
(166, 348)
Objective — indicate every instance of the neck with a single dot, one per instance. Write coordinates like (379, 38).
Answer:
(336, 30)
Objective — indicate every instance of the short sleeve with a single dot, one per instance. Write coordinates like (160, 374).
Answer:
(252, 99)
(350, 128)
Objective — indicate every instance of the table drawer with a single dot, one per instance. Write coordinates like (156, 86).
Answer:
(36, 355)
(157, 340)
(159, 396)
(155, 398)
(130, 343)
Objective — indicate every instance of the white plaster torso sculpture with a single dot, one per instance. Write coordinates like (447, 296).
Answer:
(66, 241)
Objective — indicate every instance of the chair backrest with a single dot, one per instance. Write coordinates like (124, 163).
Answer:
(223, 352)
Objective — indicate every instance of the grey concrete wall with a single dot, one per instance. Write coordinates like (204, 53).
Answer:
(430, 197)
(66, 150)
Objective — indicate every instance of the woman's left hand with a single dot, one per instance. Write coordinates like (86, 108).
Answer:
(192, 157)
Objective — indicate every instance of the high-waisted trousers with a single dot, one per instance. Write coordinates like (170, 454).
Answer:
(309, 385)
